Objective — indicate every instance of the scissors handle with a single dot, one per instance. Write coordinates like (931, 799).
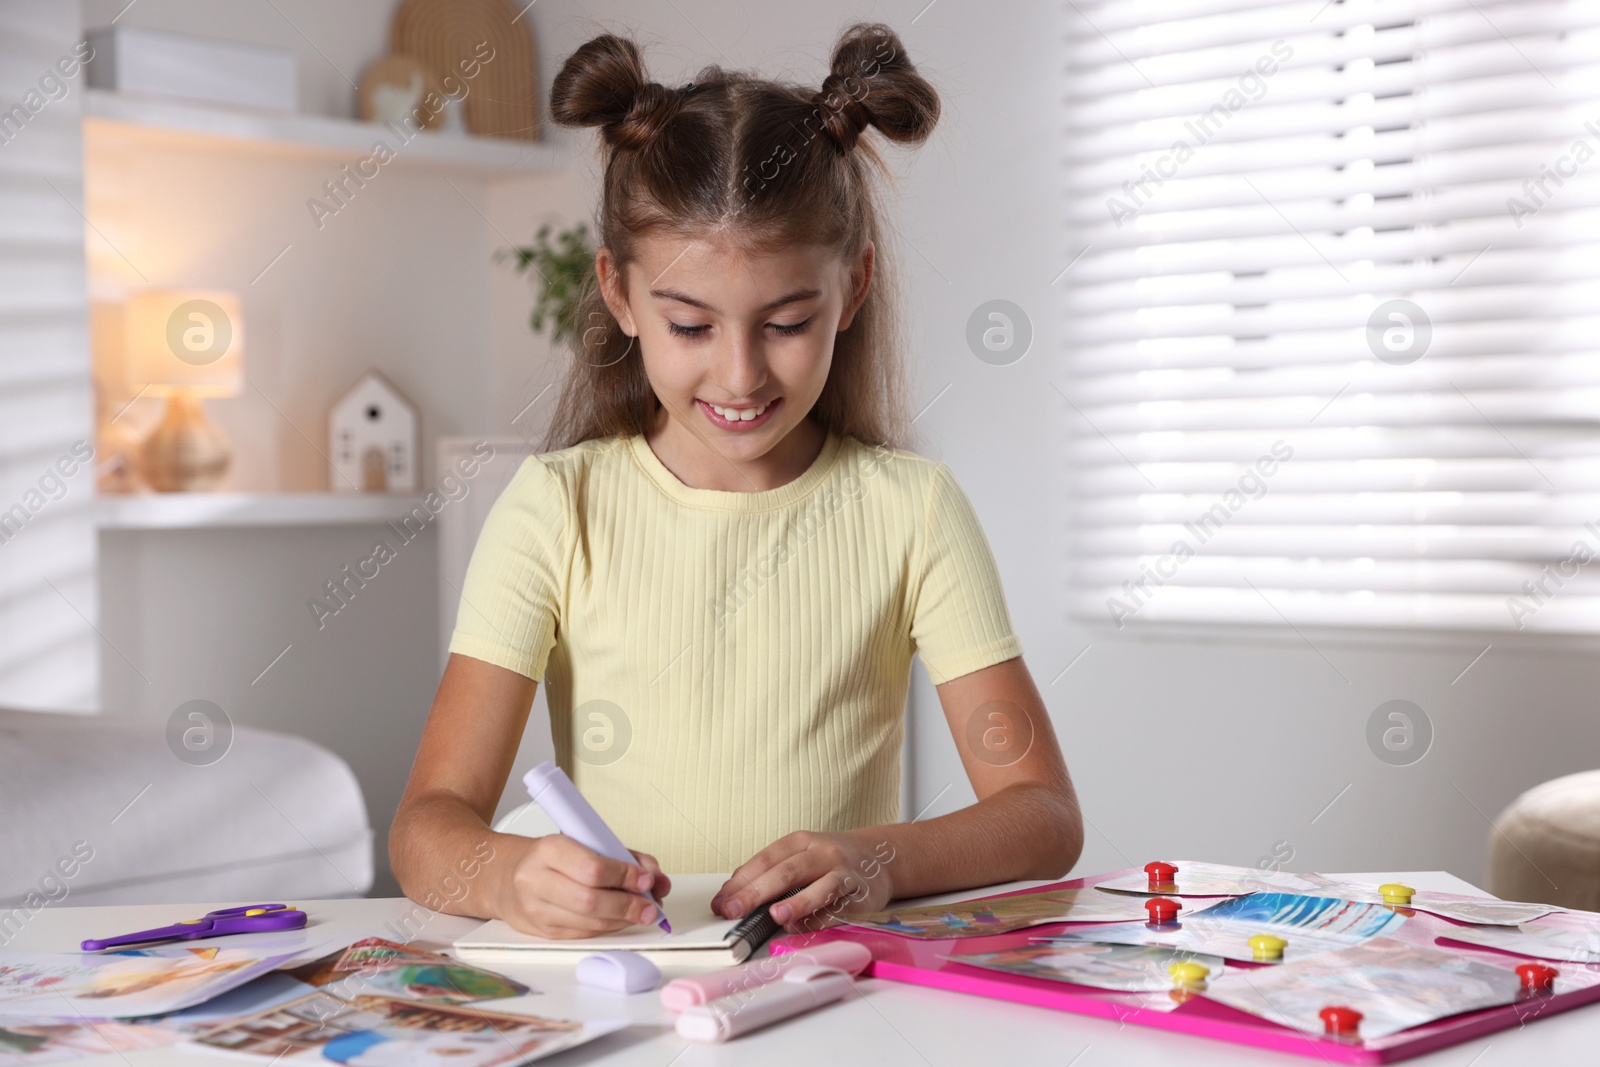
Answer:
(249, 918)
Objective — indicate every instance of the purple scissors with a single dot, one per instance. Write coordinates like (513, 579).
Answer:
(248, 919)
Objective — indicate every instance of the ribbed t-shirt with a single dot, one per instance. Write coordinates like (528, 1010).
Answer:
(723, 668)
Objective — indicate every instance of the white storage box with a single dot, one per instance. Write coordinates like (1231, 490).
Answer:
(132, 59)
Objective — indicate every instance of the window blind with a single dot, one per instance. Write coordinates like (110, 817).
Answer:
(50, 645)
(1334, 314)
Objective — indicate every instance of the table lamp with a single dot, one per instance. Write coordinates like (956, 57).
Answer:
(184, 344)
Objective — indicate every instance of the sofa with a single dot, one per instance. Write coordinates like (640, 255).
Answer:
(97, 811)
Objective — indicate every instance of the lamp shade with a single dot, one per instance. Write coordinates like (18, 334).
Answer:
(185, 340)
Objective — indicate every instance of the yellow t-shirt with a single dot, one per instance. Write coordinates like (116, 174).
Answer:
(724, 668)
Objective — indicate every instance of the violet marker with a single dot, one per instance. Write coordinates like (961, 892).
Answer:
(553, 791)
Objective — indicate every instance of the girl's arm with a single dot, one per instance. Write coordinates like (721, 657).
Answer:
(446, 857)
(1026, 823)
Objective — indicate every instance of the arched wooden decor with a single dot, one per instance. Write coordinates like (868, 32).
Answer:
(454, 37)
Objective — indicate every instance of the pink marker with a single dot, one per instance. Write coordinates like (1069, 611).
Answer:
(801, 989)
(680, 994)
(553, 791)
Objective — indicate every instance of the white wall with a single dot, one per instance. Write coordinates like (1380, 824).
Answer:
(1213, 744)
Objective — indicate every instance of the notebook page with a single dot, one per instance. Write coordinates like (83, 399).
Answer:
(688, 907)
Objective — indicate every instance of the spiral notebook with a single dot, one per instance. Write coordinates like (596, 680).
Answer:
(699, 936)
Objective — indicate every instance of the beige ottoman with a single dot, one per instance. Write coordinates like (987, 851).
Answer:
(1545, 846)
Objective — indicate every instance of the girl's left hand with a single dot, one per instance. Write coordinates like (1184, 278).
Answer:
(837, 872)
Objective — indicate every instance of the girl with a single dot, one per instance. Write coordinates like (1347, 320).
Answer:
(724, 563)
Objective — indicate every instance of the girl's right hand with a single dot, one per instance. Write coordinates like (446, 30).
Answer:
(557, 888)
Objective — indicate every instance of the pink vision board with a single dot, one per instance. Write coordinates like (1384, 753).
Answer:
(917, 962)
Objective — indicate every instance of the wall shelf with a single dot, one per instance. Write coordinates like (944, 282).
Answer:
(194, 511)
(144, 123)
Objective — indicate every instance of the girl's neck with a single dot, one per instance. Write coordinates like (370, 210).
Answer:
(697, 464)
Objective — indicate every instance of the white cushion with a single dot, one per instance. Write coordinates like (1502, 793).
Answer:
(276, 819)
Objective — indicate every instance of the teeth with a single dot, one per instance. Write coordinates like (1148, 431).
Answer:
(738, 416)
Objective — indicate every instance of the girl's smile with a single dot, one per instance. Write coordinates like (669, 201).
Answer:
(740, 418)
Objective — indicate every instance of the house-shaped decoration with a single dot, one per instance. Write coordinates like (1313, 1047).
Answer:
(372, 439)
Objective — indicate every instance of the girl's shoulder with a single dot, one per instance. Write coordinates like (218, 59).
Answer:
(585, 455)
(900, 469)
(546, 484)
(574, 464)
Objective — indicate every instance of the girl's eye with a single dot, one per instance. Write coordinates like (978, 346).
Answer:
(789, 330)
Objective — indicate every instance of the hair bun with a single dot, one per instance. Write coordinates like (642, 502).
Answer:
(653, 107)
(872, 83)
(604, 84)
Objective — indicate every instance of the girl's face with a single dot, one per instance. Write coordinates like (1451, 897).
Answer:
(736, 346)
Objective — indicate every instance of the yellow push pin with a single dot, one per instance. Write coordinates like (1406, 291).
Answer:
(1395, 893)
(1187, 974)
(1266, 947)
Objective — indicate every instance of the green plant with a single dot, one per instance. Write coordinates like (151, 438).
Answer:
(564, 269)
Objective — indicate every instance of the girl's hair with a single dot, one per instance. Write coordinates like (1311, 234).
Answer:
(773, 164)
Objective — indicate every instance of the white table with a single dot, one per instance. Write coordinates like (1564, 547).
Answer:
(888, 1023)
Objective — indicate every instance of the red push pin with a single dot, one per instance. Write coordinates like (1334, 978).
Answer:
(1162, 876)
(1537, 977)
(1163, 912)
(1339, 1021)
